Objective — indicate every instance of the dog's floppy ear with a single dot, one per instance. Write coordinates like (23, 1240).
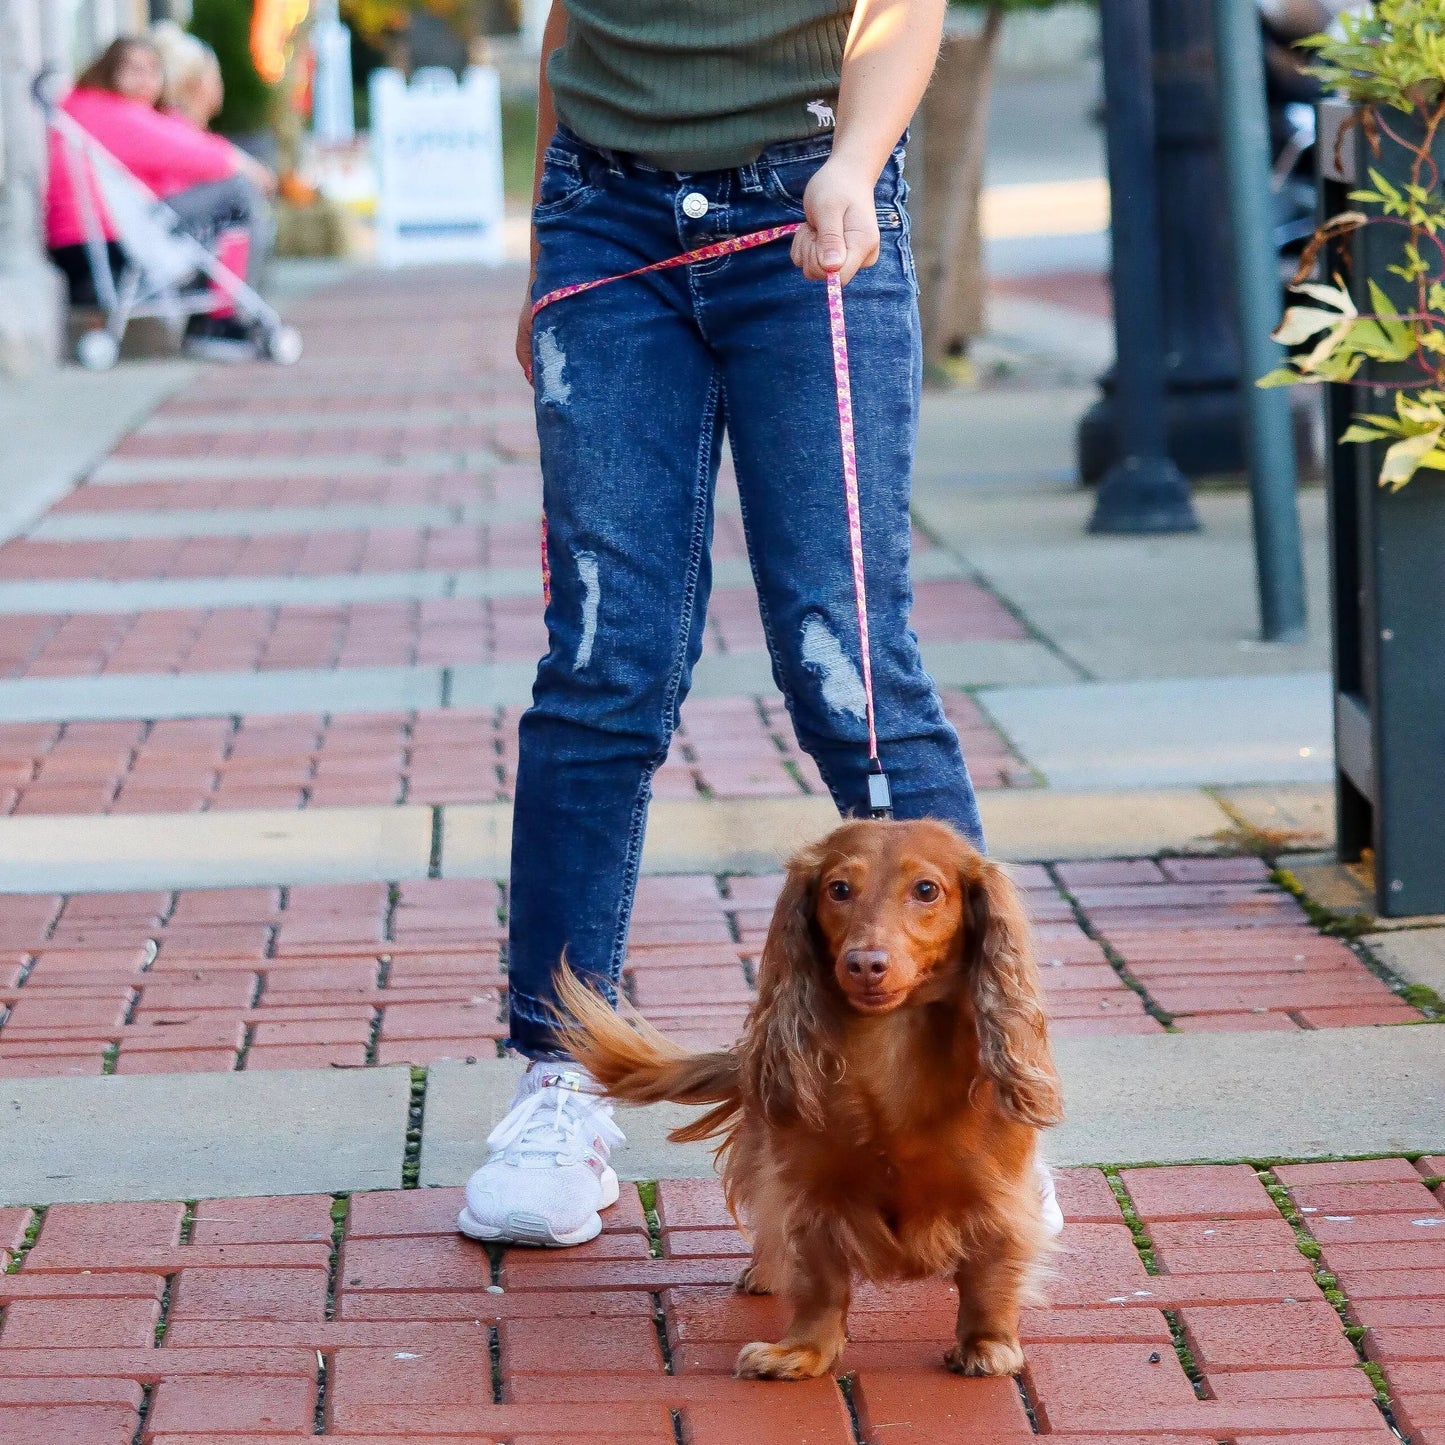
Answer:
(789, 1058)
(1008, 1008)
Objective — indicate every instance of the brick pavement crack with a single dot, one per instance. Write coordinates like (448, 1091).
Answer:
(163, 1319)
(1139, 1233)
(1186, 1356)
(416, 1115)
(143, 1417)
(323, 1374)
(1348, 926)
(845, 1385)
(1329, 1286)
(1030, 1409)
(340, 1211)
(647, 1194)
(659, 1323)
(1112, 955)
(434, 861)
(494, 1350)
(32, 1233)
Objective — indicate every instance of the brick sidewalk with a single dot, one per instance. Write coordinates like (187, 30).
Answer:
(1212, 1303)
(340, 976)
(1189, 1305)
(725, 748)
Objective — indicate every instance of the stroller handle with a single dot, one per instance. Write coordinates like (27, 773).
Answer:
(43, 88)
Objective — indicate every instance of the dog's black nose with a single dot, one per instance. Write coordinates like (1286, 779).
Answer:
(867, 965)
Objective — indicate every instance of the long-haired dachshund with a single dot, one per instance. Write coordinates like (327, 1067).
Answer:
(879, 1116)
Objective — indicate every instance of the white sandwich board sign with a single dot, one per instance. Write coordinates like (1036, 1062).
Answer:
(437, 146)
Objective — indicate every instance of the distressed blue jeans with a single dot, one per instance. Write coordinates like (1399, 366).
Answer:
(635, 384)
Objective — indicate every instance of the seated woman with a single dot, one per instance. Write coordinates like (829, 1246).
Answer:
(209, 183)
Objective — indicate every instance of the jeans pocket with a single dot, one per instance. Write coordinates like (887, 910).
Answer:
(564, 185)
(786, 181)
(905, 252)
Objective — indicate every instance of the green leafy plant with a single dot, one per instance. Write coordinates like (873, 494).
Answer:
(1388, 59)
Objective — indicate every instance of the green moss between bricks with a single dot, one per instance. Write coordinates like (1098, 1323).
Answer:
(1340, 925)
(411, 1160)
(1328, 1284)
(32, 1233)
(647, 1193)
(1142, 1242)
(1422, 996)
(1377, 1378)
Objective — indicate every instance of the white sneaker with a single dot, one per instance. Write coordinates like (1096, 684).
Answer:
(547, 1176)
(1049, 1211)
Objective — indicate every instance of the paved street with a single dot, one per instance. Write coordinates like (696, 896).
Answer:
(260, 674)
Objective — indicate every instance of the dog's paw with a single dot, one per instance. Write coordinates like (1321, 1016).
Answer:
(750, 1281)
(982, 1356)
(762, 1361)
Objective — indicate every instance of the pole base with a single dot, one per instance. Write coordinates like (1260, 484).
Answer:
(1143, 494)
(1204, 427)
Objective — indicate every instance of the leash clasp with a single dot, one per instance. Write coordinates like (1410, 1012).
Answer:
(880, 797)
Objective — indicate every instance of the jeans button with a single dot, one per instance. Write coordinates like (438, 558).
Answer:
(694, 205)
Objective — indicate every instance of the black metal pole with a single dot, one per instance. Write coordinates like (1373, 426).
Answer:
(1143, 491)
(1279, 558)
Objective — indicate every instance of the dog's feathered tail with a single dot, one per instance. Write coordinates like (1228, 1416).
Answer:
(638, 1065)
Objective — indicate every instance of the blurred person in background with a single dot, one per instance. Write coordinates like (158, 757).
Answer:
(191, 84)
(216, 189)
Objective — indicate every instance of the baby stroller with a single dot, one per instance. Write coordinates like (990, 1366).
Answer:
(165, 273)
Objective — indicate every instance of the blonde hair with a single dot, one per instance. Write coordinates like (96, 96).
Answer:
(185, 61)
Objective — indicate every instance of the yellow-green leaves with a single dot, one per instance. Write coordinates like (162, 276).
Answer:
(1346, 339)
(1389, 53)
(1417, 426)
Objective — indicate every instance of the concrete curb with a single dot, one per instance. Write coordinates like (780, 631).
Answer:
(1131, 1100)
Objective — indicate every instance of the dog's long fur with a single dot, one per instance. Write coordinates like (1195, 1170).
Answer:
(878, 1129)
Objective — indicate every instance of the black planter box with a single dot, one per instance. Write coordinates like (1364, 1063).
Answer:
(1387, 560)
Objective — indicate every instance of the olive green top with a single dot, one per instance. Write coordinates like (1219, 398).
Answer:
(699, 84)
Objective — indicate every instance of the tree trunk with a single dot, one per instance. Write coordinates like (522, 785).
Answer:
(949, 240)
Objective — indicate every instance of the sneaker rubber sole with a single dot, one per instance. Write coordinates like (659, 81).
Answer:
(533, 1229)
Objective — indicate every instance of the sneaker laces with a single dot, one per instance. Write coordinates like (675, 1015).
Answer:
(561, 1120)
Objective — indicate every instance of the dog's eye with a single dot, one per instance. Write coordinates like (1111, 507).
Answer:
(839, 891)
(925, 890)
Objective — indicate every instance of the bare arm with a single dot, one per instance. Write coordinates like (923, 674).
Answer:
(553, 34)
(891, 49)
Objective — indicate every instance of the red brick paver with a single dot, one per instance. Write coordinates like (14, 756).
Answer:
(436, 632)
(725, 748)
(371, 1320)
(316, 977)
(1215, 945)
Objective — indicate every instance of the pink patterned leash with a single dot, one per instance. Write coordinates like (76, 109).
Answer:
(880, 804)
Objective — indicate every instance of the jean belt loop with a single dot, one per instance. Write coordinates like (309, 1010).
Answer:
(750, 178)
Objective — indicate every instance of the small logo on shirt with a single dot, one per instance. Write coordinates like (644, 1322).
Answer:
(822, 112)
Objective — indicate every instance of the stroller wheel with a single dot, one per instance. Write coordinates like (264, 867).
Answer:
(284, 345)
(97, 350)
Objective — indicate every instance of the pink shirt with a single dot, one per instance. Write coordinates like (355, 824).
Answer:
(167, 153)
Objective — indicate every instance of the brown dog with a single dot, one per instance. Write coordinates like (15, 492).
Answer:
(879, 1116)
